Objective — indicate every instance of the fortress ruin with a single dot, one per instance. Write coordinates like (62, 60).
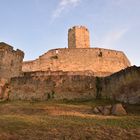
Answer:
(76, 72)
(79, 57)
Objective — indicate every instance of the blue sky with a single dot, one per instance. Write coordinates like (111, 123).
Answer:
(35, 26)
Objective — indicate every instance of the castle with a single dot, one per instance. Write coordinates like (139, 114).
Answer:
(79, 57)
(69, 73)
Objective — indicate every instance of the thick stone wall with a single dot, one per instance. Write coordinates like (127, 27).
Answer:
(78, 37)
(101, 62)
(42, 86)
(10, 61)
(123, 86)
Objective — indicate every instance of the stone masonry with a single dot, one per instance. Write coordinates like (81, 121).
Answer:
(76, 72)
(10, 61)
(101, 62)
(79, 57)
(78, 37)
(123, 86)
(10, 66)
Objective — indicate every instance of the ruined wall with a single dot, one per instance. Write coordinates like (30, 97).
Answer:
(78, 37)
(28, 66)
(100, 61)
(4, 88)
(41, 86)
(10, 61)
(123, 86)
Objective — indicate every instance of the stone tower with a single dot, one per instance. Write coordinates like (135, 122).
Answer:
(10, 61)
(78, 37)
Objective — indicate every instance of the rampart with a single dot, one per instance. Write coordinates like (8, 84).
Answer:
(10, 61)
(101, 62)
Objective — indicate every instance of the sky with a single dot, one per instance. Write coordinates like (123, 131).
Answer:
(36, 26)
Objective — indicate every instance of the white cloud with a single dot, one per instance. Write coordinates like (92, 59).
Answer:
(63, 5)
(111, 38)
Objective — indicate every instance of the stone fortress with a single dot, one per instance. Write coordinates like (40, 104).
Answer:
(79, 57)
(76, 72)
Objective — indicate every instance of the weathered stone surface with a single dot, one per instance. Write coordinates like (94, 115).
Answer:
(70, 85)
(10, 61)
(103, 110)
(96, 111)
(100, 108)
(106, 111)
(80, 59)
(4, 89)
(118, 109)
(108, 107)
(78, 37)
(123, 86)
(6, 92)
(34, 86)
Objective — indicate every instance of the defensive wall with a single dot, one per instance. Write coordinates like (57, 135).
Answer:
(101, 62)
(42, 86)
(122, 86)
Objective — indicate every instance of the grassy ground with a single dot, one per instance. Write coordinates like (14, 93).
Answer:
(66, 120)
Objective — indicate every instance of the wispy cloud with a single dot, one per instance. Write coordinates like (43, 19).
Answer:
(62, 6)
(112, 38)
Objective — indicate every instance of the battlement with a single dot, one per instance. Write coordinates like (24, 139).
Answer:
(19, 52)
(4, 47)
(79, 27)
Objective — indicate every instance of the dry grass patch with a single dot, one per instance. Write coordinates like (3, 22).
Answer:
(65, 120)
